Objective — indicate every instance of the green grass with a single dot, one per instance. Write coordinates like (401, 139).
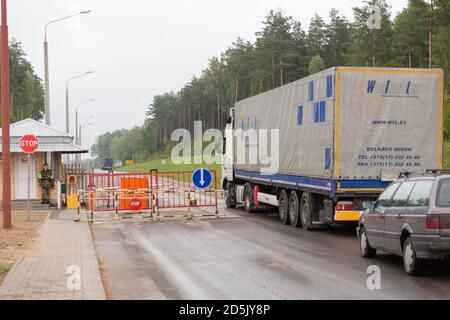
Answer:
(166, 165)
(3, 270)
(162, 162)
(169, 166)
(447, 154)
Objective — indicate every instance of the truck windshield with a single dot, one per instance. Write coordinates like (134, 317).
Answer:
(443, 199)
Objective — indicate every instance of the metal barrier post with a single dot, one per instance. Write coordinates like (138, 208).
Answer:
(78, 218)
(94, 204)
(153, 202)
(156, 187)
(189, 204)
(91, 182)
(116, 207)
(150, 196)
(157, 205)
(58, 194)
(215, 192)
(149, 190)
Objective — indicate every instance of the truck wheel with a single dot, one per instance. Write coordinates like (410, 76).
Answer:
(230, 196)
(284, 207)
(306, 210)
(366, 250)
(412, 264)
(294, 210)
(248, 199)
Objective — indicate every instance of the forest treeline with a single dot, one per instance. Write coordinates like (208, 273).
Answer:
(284, 52)
(27, 90)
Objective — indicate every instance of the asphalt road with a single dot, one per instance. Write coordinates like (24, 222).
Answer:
(249, 257)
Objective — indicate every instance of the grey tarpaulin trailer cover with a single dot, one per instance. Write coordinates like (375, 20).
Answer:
(348, 129)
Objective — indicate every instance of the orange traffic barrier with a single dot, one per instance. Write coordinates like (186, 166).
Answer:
(134, 183)
(134, 201)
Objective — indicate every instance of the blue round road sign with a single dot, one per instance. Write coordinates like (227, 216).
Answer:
(202, 178)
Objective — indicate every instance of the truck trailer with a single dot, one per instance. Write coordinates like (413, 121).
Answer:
(341, 137)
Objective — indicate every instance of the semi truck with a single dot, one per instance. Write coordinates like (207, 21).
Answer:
(337, 138)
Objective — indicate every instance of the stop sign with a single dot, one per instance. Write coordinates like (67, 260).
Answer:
(29, 143)
(135, 204)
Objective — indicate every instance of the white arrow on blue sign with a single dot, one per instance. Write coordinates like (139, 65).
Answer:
(202, 178)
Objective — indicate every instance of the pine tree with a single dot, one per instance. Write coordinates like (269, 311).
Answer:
(316, 38)
(316, 65)
(337, 34)
(371, 47)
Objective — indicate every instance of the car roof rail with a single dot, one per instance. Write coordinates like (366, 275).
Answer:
(438, 171)
(405, 174)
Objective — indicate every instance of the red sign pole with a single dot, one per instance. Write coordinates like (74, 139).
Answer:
(6, 151)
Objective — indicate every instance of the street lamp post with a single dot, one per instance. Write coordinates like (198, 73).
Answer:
(67, 97)
(80, 130)
(76, 119)
(6, 102)
(46, 65)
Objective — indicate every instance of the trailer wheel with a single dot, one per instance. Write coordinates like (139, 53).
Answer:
(248, 199)
(294, 210)
(307, 210)
(284, 207)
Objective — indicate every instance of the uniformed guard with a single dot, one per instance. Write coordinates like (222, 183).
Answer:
(47, 183)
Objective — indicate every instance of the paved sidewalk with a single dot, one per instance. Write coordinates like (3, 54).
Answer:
(42, 274)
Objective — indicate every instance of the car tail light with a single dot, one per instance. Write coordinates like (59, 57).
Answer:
(344, 206)
(433, 222)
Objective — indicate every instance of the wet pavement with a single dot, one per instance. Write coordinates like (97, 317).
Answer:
(249, 257)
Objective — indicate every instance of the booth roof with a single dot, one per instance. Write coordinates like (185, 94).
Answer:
(50, 139)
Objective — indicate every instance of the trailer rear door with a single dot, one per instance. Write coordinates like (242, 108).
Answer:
(387, 120)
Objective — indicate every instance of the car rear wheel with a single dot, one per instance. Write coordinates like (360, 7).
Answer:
(366, 250)
(412, 264)
(284, 207)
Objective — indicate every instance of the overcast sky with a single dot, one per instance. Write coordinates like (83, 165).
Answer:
(139, 48)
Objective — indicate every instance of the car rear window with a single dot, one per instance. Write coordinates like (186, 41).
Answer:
(443, 199)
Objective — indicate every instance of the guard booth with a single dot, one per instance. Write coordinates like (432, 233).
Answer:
(53, 144)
